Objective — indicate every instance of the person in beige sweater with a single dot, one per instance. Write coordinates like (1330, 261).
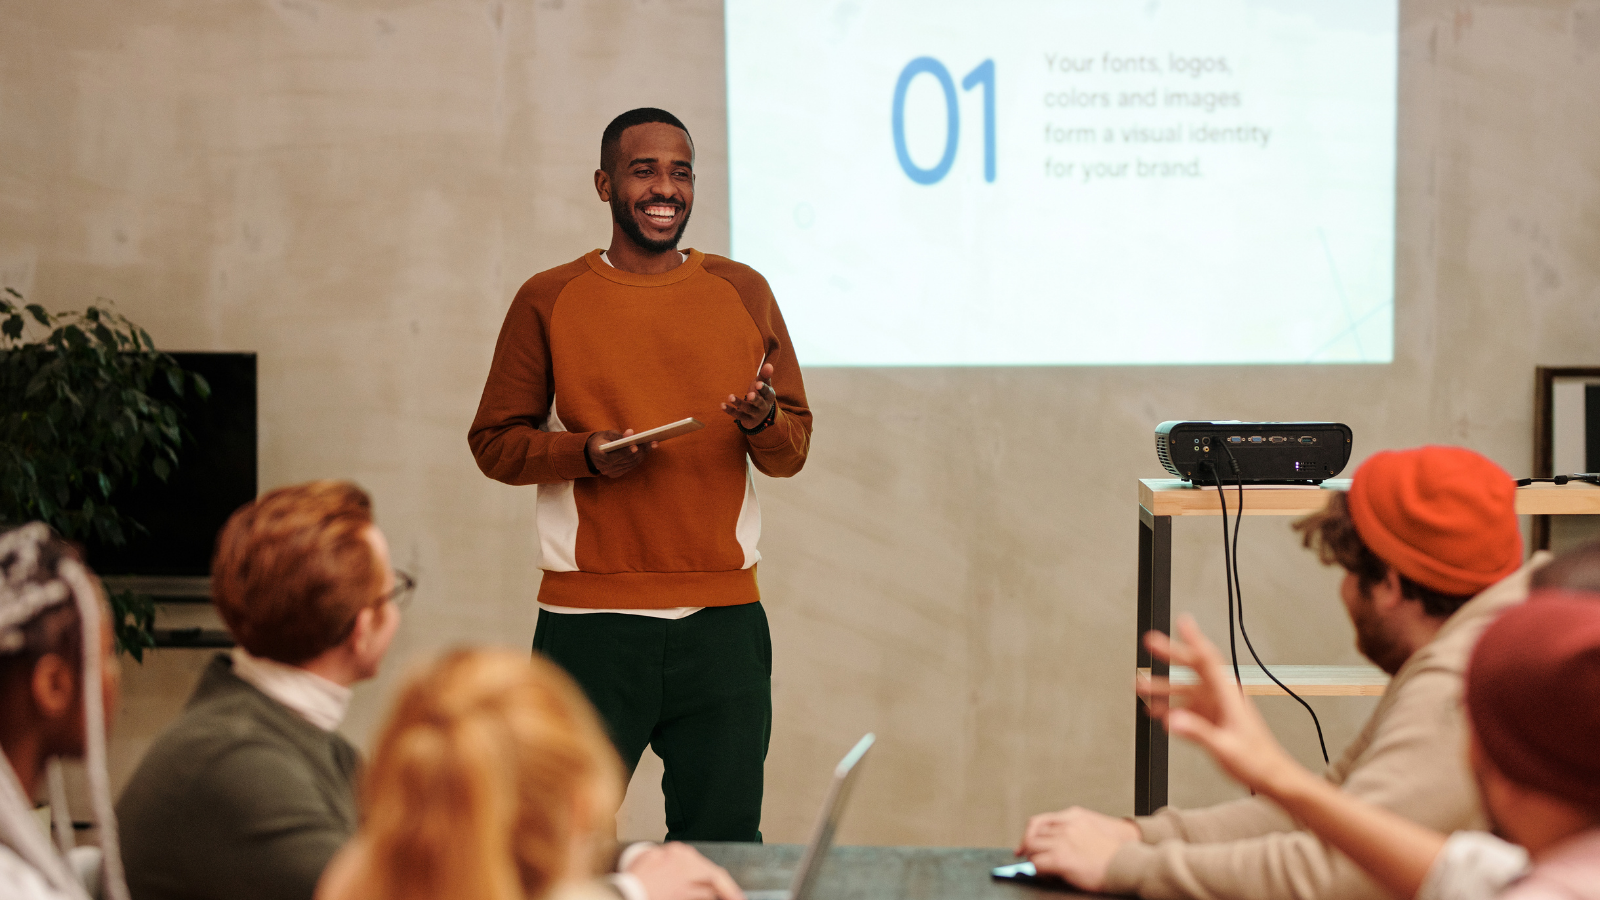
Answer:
(1432, 552)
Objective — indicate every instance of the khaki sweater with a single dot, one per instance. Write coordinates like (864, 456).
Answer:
(585, 348)
(1410, 758)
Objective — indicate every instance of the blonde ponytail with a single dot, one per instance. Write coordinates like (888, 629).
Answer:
(490, 767)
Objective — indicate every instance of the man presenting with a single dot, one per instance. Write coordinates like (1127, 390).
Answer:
(1429, 542)
(649, 594)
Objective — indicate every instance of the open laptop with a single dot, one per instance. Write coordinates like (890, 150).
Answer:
(805, 877)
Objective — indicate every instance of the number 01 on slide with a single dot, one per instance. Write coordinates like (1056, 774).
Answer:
(1068, 182)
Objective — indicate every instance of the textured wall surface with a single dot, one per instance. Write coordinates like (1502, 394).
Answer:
(354, 190)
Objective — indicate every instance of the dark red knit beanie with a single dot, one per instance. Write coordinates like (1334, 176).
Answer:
(1533, 694)
(1444, 517)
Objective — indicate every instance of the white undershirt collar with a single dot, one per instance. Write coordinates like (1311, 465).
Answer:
(310, 696)
(608, 261)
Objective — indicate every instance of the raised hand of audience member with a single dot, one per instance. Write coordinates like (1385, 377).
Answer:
(1215, 714)
(679, 872)
(1396, 852)
(1076, 844)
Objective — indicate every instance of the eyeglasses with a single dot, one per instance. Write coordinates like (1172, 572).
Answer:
(404, 584)
(1585, 477)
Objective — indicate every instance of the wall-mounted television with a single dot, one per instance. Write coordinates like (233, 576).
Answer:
(216, 474)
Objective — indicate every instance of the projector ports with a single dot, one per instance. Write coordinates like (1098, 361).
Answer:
(1308, 439)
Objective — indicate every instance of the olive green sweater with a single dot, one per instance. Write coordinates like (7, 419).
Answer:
(239, 799)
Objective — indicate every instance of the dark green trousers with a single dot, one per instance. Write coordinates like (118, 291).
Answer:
(698, 690)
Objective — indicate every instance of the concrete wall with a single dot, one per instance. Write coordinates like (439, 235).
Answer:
(354, 190)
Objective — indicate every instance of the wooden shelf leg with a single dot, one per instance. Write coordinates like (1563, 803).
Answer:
(1155, 612)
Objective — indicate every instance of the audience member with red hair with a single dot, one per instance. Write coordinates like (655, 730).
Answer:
(250, 793)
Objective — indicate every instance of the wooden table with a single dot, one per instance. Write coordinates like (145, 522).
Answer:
(883, 873)
(1160, 499)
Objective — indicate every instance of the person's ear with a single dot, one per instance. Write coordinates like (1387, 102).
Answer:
(55, 686)
(602, 185)
(1387, 594)
(365, 629)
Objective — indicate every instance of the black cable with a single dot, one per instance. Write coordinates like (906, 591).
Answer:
(1227, 569)
(1236, 594)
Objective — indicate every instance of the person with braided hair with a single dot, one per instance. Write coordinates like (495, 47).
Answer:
(58, 687)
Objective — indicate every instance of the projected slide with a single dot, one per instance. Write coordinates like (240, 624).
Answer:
(1068, 182)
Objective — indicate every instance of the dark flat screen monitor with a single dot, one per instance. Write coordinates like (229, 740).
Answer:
(216, 474)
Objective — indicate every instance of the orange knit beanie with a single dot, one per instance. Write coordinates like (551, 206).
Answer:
(1444, 517)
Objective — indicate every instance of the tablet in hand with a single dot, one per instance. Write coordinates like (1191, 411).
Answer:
(682, 426)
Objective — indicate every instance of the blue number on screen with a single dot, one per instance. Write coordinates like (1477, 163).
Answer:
(984, 75)
(952, 118)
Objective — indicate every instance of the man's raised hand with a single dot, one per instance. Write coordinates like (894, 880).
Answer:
(617, 462)
(751, 409)
(1215, 714)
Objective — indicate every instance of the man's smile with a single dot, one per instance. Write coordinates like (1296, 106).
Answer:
(661, 215)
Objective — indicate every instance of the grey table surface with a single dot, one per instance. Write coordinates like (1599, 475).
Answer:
(883, 873)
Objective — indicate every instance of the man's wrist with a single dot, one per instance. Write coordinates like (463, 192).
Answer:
(589, 460)
(772, 415)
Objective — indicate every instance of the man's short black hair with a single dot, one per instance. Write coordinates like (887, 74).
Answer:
(611, 140)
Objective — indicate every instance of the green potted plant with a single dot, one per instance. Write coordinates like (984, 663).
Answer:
(78, 420)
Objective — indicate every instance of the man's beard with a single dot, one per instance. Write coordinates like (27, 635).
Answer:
(622, 214)
(1373, 641)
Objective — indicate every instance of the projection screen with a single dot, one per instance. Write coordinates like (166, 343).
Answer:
(1068, 182)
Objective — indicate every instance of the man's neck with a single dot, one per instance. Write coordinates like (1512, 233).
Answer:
(1414, 632)
(1423, 630)
(316, 691)
(333, 667)
(626, 256)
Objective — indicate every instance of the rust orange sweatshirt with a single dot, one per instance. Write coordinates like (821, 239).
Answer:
(585, 348)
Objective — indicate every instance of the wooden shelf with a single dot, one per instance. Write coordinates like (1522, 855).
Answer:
(1307, 681)
(1574, 498)
(1173, 497)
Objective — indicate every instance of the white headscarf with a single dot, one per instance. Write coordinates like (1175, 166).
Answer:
(26, 591)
